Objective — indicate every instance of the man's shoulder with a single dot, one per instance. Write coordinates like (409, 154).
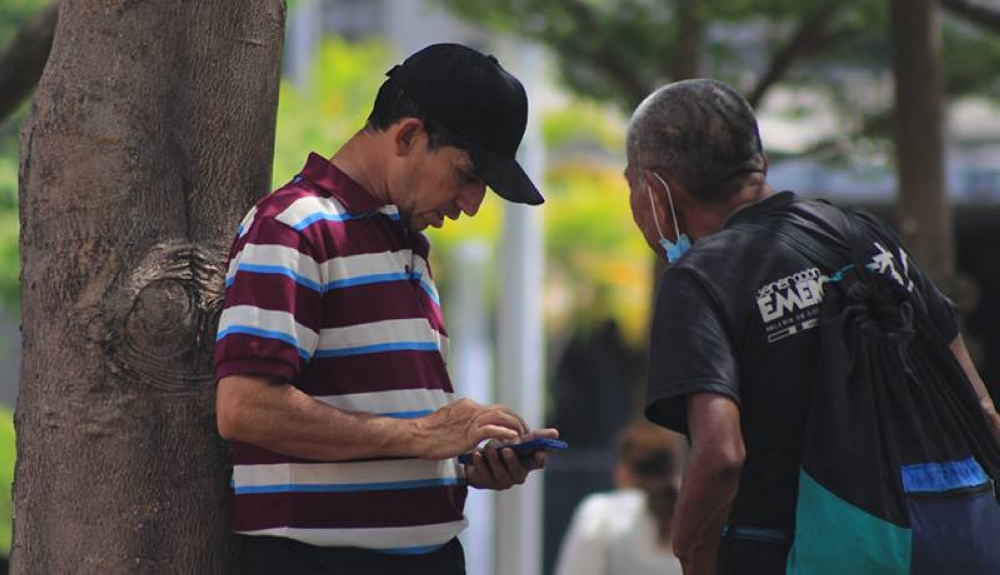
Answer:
(749, 238)
(297, 205)
(276, 202)
(723, 253)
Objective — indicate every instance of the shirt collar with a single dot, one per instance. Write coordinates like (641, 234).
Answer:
(769, 203)
(333, 181)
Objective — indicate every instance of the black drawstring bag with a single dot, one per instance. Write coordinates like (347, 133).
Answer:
(898, 463)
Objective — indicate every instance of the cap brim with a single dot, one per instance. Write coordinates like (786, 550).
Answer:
(505, 176)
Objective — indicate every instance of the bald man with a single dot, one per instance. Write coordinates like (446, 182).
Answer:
(730, 350)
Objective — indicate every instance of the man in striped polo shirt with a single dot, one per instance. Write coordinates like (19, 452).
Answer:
(331, 353)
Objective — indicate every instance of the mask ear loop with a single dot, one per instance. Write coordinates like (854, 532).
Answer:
(649, 189)
(673, 212)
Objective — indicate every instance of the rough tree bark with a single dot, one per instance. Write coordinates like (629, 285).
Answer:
(150, 134)
(923, 210)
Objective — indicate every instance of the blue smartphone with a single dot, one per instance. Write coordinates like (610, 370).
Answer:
(523, 450)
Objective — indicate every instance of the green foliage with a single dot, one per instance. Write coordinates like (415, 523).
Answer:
(617, 51)
(971, 61)
(629, 36)
(322, 116)
(582, 124)
(598, 265)
(8, 181)
(13, 14)
(9, 262)
(645, 36)
(7, 457)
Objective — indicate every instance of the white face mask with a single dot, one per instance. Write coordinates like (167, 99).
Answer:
(673, 250)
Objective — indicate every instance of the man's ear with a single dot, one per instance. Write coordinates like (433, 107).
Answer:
(767, 163)
(406, 134)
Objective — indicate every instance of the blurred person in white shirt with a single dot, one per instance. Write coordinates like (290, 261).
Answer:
(627, 531)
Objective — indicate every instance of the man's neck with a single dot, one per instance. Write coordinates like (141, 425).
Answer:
(714, 218)
(746, 197)
(360, 159)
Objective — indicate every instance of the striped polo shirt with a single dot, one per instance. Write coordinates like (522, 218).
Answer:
(327, 290)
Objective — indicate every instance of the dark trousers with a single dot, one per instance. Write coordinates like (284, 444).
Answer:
(282, 556)
(740, 556)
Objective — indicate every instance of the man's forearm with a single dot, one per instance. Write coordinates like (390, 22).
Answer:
(985, 401)
(703, 505)
(283, 419)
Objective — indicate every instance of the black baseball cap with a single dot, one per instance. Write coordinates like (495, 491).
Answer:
(471, 95)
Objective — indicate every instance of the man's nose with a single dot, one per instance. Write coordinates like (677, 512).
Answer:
(470, 200)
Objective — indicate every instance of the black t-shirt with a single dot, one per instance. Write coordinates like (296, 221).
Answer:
(735, 316)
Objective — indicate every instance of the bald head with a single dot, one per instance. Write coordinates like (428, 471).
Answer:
(700, 132)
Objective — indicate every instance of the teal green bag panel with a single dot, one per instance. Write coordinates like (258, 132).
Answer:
(833, 537)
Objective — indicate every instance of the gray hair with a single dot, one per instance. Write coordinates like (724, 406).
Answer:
(702, 132)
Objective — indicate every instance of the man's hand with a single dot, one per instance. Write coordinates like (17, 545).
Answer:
(462, 425)
(496, 468)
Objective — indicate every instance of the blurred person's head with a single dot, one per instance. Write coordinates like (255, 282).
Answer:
(445, 124)
(650, 458)
(694, 155)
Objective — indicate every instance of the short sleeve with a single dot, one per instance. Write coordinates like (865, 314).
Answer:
(690, 351)
(270, 320)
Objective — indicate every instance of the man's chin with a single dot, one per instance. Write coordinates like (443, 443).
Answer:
(421, 224)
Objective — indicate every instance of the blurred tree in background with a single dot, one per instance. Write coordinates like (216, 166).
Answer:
(14, 15)
(619, 51)
(835, 55)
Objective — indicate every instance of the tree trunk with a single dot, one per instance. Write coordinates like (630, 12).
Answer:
(691, 40)
(150, 134)
(923, 209)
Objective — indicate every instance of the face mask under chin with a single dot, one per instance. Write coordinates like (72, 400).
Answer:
(673, 251)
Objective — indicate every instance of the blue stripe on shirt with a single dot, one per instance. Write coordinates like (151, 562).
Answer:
(407, 414)
(338, 217)
(345, 487)
(279, 270)
(370, 279)
(378, 348)
(268, 334)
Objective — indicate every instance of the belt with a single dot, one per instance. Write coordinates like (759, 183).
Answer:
(756, 533)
